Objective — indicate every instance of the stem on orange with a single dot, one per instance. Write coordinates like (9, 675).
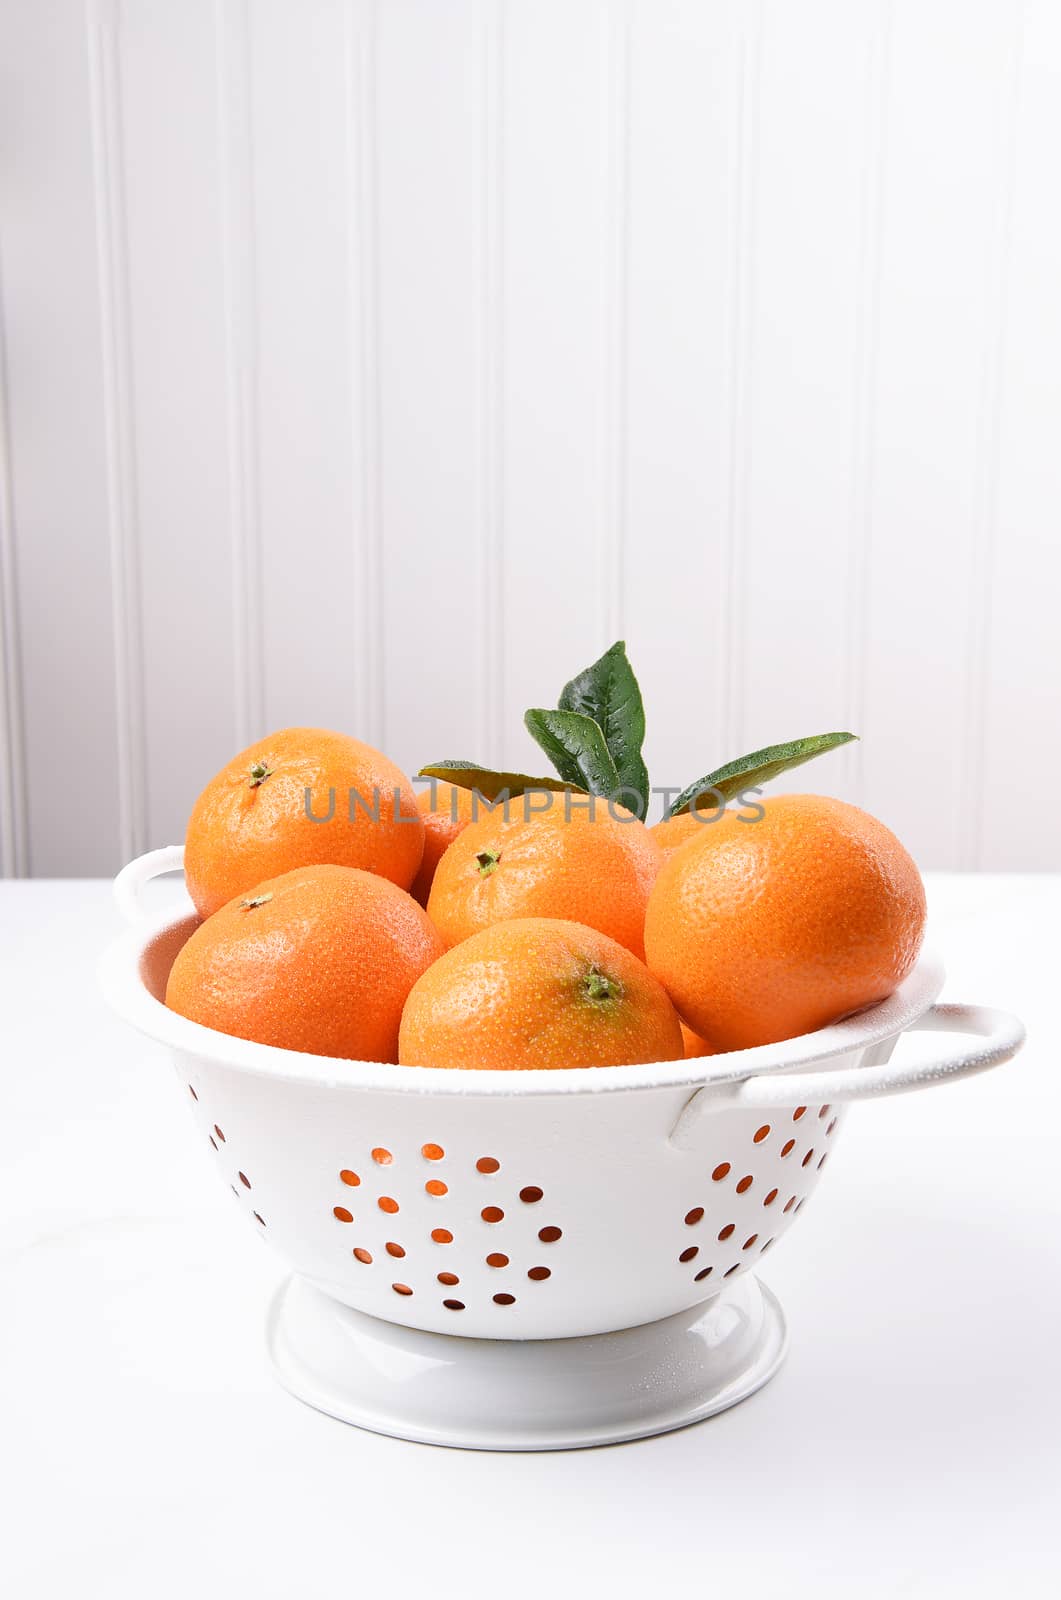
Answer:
(598, 986)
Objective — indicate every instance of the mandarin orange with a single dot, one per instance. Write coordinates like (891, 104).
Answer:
(694, 1046)
(447, 811)
(766, 929)
(538, 992)
(568, 861)
(675, 831)
(251, 821)
(319, 959)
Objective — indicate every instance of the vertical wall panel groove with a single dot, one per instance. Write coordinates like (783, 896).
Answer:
(615, 274)
(731, 661)
(553, 261)
(1023, 681)
(984, 530)
(14, 853)
(867, 345)
(102, 22)
(363, 247)
(238, 246)
(468, 338)
(492, 370)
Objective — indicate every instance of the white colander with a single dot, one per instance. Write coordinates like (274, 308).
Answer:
(591, 1235)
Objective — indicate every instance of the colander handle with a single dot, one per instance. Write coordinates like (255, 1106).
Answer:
(131, 879)
(998, 1036)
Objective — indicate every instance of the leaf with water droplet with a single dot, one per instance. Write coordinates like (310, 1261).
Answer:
(609, 694)
(575, 746)
(752, 771)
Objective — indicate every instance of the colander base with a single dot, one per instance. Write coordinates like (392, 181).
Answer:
(534, 1394)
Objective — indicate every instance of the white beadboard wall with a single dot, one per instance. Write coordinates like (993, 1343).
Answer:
(375, 363)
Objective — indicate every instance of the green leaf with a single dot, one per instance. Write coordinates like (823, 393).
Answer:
(575, 746)
(758, 768)
(490, 784)
(608, 693)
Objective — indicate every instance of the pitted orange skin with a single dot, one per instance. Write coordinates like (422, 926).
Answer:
(764, 930)
(676, 831)
(556, 863)
(320, 959)
(538, 992)
(245, 829)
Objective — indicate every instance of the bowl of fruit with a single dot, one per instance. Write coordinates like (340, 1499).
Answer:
(521, 1088)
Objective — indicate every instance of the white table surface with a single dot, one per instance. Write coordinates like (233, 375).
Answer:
(910, 1445)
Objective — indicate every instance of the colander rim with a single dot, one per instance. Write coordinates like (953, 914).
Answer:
(124, 988)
